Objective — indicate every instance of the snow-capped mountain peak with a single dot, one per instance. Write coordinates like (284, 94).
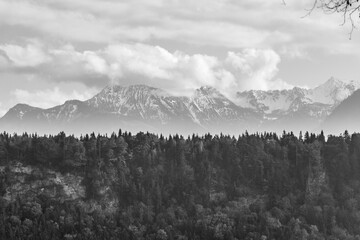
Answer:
(333, 82)
(137, 101)
(206, 109)
(333, 91)
(269, 101)
(209, 95)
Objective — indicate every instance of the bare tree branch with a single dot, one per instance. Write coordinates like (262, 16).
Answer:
(350, 9)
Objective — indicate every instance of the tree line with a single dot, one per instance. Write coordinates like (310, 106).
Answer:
(148, 186)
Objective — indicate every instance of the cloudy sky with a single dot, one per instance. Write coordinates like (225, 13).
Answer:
(55, 50)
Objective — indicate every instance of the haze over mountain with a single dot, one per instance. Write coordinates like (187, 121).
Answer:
(298, 108)
(145, 108)
(345, 116)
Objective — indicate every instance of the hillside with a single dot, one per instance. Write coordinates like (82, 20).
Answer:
(144, 186)
(345, 116)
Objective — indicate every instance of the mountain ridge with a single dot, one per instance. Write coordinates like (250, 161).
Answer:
(142, 107)
(345, 116)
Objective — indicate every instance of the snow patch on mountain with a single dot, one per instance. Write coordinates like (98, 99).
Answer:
(144, 107)
(332, 92)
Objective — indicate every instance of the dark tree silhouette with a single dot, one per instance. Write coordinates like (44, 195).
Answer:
(350, 10)
(146, 187)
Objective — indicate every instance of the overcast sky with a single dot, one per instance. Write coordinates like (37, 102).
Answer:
(55, 50)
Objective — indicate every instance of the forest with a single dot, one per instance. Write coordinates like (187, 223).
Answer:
(258, 186)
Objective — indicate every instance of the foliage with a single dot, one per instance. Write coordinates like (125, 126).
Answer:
(145, 186)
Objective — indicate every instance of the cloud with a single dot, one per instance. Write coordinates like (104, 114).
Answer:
(4, 61)
(28, 56)
(47, 20)
(140, 21)
(54, 65)
(49, 97)
(180, 73)
(176, 72)
(257, 68)
(226, 24)
(294, 51)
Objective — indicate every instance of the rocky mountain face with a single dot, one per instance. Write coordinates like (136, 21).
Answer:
(345, 116)
(139, 102)
(144, 108)
(136, 108)
(298, 108)
(331, 93)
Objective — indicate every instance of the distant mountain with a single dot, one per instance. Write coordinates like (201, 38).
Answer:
(298, 108)
(345, 116)
(331, 93)
(136, 108)
(214, 111)
(70, 116)
(145, 108)
(138, 102)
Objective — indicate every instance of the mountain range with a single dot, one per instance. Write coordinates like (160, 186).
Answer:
(144, 108)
